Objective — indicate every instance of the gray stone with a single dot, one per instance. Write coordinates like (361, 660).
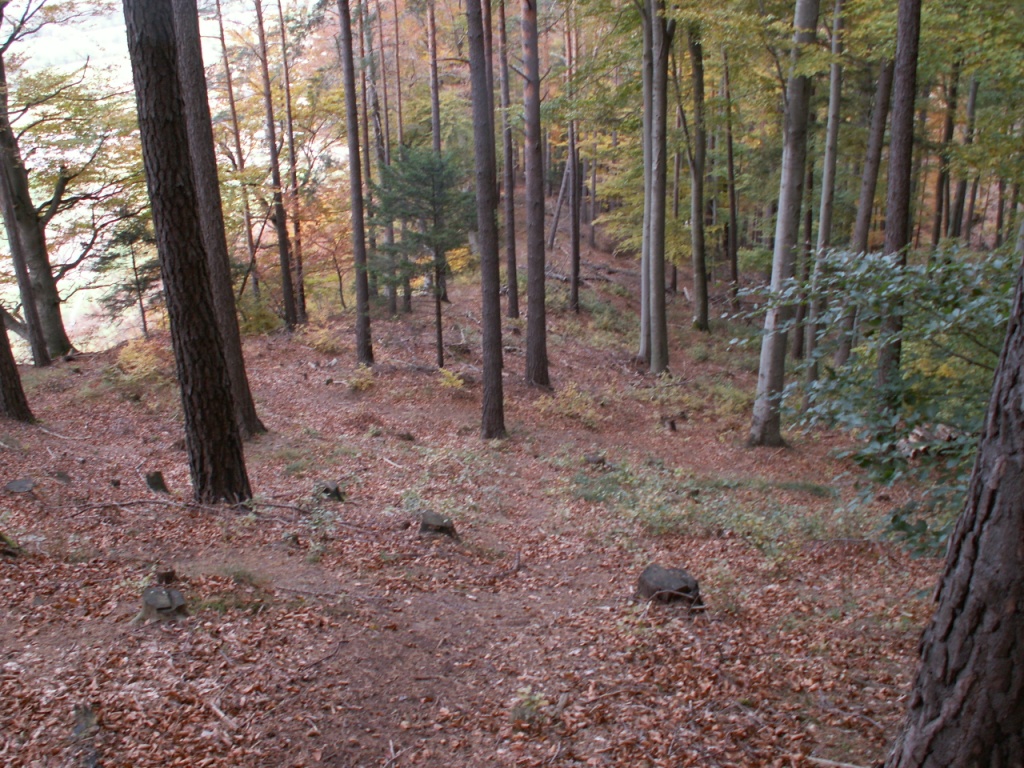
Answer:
(21, 485)
(161, 604)
(155, 481)
(669, 585)
(433, 523)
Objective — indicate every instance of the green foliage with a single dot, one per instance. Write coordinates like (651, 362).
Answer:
(425, 193)
(256, 316)
(130, 260)
(955, 310)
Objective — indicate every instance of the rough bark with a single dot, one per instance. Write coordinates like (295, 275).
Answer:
(766, 427)
(898, 194)
(13, 403)
(214, 445)
(364, 347)
(492, 423)
(967, 705)
(536, 319)
(211, 216)
(280, 218)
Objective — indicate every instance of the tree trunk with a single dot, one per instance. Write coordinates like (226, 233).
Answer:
(509, 171)
(697, 175)
(866, 200)
(662, 31)
(766, 427)
(279, 216)
(211, 215)
(967, 706)
(492, 423)
(13, 403)
(36, 339)
(940, 223)
(214, 446)
(573, 161)
(897, 204)
(293, 176)
(828, 190)
(239, 156)
(31, 231)
(536, 319)
(644, 352)
(957, 223)
(364, 346)
(732, 243)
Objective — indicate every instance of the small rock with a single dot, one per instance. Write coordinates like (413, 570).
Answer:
(155, 481)
(161, 604)
(329, 490)
(21, 485)
(409, 437)
(433, 523)
(594, 458)
(115, 482)
(61, 477)
(669, 585)
(167, 576)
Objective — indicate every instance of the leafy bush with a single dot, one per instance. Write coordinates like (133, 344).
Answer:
(955, 309)
(571, 403)
(256, 316)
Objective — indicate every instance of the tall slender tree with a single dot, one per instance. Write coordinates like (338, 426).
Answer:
(364, 345)
(493, 414)
(898, 192)
(766, 427)
(13, 403)
(508, 170)
(697, 174)
(211, 216)
(214, 445)
(279, 216)
(536, 318)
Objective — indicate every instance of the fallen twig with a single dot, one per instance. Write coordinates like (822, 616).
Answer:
(328, 657)
(827, 763)
(62, 437)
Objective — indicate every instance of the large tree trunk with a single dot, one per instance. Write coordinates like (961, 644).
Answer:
(279, 216)
(536, 319)
(697, 175)
(214, 445)
(211, 215)
(766, 427)
(492, 423)
(967, 706)
(508, 171)
(13, 403)
(866, 201)
(364, 347)
(898, 195)
(31, 231)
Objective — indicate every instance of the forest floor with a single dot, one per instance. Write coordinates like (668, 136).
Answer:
(333, 633)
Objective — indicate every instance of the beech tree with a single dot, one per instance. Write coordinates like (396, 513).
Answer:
(766, 427)
(13, 403)
(212, 439)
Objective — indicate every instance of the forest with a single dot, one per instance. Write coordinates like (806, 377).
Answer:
(361, 357)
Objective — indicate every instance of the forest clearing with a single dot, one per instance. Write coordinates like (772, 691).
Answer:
(333, 633)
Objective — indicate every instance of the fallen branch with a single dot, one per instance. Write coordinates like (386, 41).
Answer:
(328, 657)
(62, 437)
(824, 762)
